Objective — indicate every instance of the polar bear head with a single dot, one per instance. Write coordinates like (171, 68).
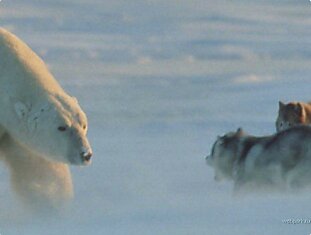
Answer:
(56, 129)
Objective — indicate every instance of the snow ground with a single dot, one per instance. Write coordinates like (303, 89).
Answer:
(159, 81)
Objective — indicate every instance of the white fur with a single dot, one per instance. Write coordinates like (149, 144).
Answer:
(33, 107)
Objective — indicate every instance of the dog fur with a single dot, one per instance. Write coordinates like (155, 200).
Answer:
(279, 162)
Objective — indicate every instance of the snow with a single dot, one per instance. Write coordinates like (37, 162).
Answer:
(159, 81)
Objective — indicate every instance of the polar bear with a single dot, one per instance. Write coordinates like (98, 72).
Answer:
(42, 128)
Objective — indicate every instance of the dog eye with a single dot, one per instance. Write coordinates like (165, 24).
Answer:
(84, 127)
(62, 128)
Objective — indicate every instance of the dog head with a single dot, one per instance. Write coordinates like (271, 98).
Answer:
(224, 153)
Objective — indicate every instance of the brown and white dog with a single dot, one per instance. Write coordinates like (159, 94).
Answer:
(292, 114)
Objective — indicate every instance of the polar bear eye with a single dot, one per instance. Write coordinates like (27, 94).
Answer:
(84, 127)
(61, 128)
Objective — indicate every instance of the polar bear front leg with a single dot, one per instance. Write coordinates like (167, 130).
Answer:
(42, 185)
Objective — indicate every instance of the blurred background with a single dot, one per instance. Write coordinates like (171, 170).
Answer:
(159, 80)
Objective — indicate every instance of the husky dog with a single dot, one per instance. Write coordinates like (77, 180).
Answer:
(280, 162)
(292, 114)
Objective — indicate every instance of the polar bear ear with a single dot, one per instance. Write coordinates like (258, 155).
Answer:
(21, 109)
(74, 99)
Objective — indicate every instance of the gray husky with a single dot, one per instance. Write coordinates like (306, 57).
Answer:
(280, 162)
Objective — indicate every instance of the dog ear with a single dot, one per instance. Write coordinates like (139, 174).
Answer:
(299, 109)
(281, 105)
(239, 131)
(21, 109)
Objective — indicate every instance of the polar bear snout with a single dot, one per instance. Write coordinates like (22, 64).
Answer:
(79, 150)
(86, 156)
